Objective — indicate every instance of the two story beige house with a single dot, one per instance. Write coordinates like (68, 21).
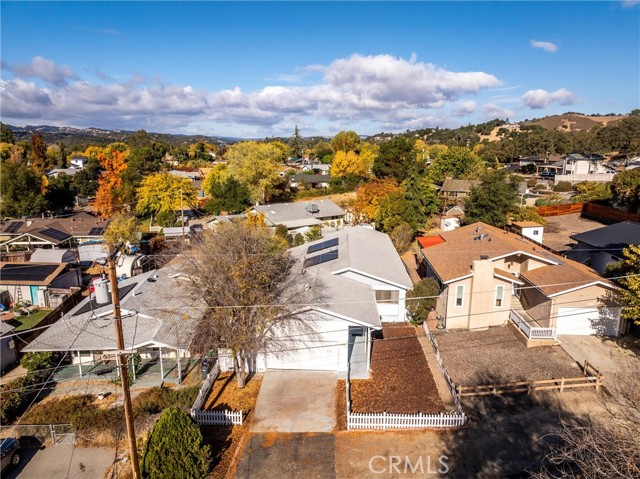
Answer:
(489, 277)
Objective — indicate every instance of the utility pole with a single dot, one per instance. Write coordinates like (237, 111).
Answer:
(182, 216)
(124, 375)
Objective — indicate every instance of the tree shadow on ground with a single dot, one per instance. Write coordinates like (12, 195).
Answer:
(219, 438)
(506, 436)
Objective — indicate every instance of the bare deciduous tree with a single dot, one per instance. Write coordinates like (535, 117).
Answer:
(253, 288)
(606, 444)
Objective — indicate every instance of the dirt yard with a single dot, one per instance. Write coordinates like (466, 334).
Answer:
(400, 382)
(559, 228)
(497, 355)
(226, 440)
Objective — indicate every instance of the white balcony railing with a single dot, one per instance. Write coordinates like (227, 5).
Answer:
(532, 332)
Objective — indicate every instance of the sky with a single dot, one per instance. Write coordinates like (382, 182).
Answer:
(257, 69)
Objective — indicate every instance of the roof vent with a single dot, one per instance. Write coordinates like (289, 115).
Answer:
(484, 256)
(312, 208)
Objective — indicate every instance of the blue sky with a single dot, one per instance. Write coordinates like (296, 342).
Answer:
(257, 69)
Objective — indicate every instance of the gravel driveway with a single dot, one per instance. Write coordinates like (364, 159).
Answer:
(497, 355)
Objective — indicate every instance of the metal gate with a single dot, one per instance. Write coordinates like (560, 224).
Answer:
(42, 433)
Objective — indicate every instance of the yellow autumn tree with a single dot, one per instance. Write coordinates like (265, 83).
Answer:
(352, 163)
(218, 174)
(161, 192)
(370, 196)
(121, 228)
(110, 181)
(256, 166)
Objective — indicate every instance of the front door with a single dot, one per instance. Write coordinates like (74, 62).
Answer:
(34, 295)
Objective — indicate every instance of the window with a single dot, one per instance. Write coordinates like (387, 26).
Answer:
(499, 295)
(535, 232)
(459, 295)
(387, 297)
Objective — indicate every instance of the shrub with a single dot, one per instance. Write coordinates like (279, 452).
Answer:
(166, 219)
(20, 393)
(40, 360)
(314, 233)
(155, 400)
(562, 187)
(175, 448)
(419, 308)
(401, 237)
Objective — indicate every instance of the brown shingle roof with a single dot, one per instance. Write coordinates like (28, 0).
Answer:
(75, 224)
(451, 184)
(527, 224)
(453, 258)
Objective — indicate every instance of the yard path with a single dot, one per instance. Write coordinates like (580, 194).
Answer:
(441, 382)
(410, 264)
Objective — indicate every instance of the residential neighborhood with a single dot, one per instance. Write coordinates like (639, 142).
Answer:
(234, 247)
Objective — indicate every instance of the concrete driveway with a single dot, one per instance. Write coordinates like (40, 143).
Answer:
(63, 462)
(296, 401)
(604, 354)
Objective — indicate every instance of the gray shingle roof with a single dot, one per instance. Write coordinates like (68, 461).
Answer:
(157, 311)
(360, 249)
(283, 213)
(613, 238)
(5, 328)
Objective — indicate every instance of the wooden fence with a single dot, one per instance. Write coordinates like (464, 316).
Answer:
(592, 378)
(559, 210)
(609, 215)
(223, 417)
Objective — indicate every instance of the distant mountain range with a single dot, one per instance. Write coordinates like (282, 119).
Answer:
(99, 136)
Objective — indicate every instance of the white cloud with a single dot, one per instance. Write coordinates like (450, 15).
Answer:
(546, 46)
(465, 108)
(491, 111)
(377, 89)
(537, 99)
(43, 69)
(630, 3)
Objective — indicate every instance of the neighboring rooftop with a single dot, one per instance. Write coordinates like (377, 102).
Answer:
(527, 224)
(451, 184)
(74, 224)
(30, 274)
(298, 214)
(157, 309)
(453, 259)
(613, 238)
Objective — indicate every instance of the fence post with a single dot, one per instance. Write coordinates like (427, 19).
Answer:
(562, 385)
(586, 368)
(53, 434)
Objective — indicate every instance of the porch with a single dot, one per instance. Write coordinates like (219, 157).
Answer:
(149, 372)
(534, 334)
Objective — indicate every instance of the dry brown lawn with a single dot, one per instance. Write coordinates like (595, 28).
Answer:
(225, 441)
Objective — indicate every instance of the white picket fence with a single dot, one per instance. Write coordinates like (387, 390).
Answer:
(384, 420)
(213, 418)
(218, 418)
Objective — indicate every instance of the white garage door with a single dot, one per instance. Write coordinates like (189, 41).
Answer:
(311, 355)
(579, 321)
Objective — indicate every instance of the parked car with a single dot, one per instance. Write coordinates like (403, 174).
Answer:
(11, 454)
(548, 175)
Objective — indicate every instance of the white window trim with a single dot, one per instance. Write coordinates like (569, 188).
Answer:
(495, 301)
(455, 298)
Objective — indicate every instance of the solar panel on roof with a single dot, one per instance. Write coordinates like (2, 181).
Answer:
(96, 231)
(324, 245)
(26, 272)
(55, 234)
(320, 258)
(14, 226)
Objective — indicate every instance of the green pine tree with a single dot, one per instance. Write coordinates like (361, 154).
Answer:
(175, 449)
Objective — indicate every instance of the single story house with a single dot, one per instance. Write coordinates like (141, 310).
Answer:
(300, 216)
(35, 282)
(8, 351)
(529, 229)
(489, 276)
(65, 231)
(602, 246)
(302, 180)
(54, 173)
(357, 295)
(159, 317)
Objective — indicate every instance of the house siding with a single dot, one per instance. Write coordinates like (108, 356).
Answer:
(388, 312)
(537, 305)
